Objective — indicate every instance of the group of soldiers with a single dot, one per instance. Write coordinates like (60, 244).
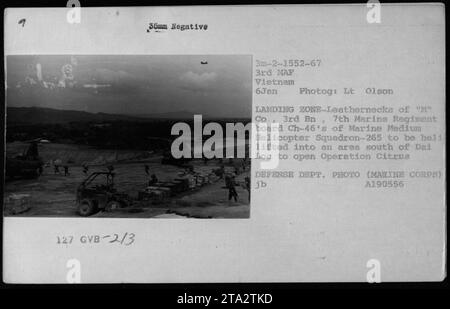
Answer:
(56, 169)
(85, 167)
(153, 179)
(66, 169)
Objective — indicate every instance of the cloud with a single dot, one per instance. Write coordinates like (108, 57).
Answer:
(194, 81)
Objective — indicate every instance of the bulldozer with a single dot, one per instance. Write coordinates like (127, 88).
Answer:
(28, 165)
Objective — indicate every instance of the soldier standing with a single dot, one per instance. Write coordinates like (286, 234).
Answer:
(153, 180)
(85, 169)
(232, 189)
(247, 186)
(56, 168)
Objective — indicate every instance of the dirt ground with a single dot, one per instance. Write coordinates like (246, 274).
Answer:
(53, 195)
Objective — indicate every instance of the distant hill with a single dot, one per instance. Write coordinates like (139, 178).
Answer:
(43, 115)
(40, 115)
(174, 115)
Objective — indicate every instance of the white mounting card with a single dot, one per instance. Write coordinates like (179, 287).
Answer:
(339, 111)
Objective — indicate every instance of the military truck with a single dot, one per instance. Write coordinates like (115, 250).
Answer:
(97, 192)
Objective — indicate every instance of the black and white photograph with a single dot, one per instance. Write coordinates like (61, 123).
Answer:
(90, 136)
(271, 144)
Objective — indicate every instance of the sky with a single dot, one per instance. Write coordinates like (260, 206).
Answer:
(133, 84)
